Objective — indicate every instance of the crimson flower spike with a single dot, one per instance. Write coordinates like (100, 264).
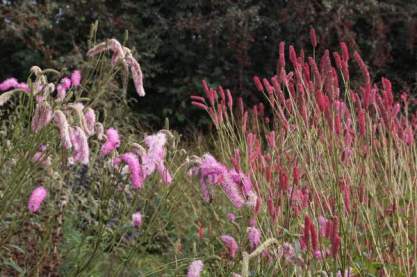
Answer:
(258, 83)
(362, 67)
(313, 37)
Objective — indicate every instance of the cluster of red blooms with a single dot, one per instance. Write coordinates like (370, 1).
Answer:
(321, 97)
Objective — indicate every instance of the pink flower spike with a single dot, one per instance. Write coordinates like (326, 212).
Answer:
(313, 37)
(132, 161)
(61, 91)
(195, 268)
(36, 198)
(8, 84)
(137, 219)
(42, 116)
(76, 78)
(254, 236)
(79, 141)
(66, 83)
(230, 244)
(112, 142)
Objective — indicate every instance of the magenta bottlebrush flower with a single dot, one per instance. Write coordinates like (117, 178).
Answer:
(240, 178)
(112, 142)
(81, 150)
(254, 236)
(230, 244)
(76, 78)
(36, 198)
(195, 268)
(41, 117)
(232, 191)
(132, 161)
(61, 122)
(235, 184)
(137, 219)
(8, 84)
(66, 82)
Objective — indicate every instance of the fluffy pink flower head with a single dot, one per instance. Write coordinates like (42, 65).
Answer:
(8, 84)
(136, 71)
(254, 236)
(76, 78)
(66, 83)
(90, 121)
(61, 122)
(81, 150)
(112, 142)
(235, 185)
(232, 191)
(230, 244)
(41, 117)
(195, 268)
(210, 172)
(154, 157)
(60, 92)
(132, 161)
(36, 198)
(137, 219)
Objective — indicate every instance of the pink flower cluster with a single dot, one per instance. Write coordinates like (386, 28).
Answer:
(236, 185)
(141, 165)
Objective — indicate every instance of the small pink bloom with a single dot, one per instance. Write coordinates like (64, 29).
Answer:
(254, 236)
(112, 142)
(231, 217)
(230, 244)
(76, 78)
(137, 219)
(66, 83)
(36, 198)
(195, 268)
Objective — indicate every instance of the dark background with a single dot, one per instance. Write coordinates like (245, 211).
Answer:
(226, 42)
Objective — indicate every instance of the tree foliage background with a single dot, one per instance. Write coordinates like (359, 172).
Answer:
(223, 41)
